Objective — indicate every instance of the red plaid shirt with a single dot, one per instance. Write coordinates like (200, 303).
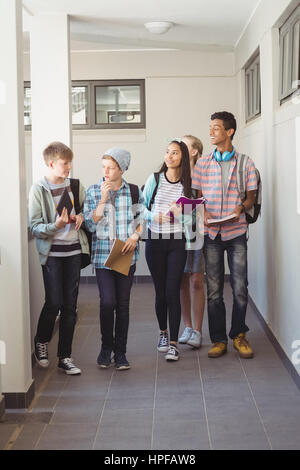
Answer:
(207, 177)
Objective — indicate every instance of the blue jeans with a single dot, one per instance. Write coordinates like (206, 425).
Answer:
(114, 290)
(61, 280)
(237, 260)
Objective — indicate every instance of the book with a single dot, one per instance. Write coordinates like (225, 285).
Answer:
(188, 205)
(65, 201)
(186, 201)
(221, 220)
(116, 260)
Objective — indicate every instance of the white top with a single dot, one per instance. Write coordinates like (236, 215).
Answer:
(167, 193)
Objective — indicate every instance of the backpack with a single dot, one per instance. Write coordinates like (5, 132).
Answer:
(253, 213)
(85, 258)
(143, 237)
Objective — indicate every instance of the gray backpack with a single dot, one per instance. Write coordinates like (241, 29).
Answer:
(253, 213)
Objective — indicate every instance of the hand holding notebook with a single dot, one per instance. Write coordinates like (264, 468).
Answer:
(117, 260)
(65, 201)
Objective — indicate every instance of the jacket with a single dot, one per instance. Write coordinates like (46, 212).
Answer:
(42, 214)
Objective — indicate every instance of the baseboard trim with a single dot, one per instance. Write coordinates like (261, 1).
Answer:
(19, 400)
(281, 353)
(136, 280)
(2, 407)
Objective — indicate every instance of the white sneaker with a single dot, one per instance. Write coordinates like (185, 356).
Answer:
(195, 340)
(185, 335)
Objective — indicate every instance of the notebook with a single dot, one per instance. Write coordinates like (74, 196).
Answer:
(65, 201)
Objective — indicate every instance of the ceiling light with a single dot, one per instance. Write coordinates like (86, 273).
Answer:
(158, 27)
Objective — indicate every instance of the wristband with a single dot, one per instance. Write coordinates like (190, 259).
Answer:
(138, 235)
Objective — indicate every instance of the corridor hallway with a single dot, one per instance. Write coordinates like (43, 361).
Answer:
(197, 403)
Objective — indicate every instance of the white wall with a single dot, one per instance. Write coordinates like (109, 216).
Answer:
(274, 252)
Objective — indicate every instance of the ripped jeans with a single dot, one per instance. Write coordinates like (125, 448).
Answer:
(61, 280)
(215, 272)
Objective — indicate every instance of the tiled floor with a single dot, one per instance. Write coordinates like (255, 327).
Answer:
(197, 403)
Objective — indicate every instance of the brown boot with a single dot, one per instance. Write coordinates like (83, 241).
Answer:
(242, 346)
(217, 350)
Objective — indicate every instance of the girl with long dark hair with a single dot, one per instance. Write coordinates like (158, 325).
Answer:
(165, 246)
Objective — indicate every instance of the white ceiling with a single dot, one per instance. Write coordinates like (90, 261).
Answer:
(109, 24)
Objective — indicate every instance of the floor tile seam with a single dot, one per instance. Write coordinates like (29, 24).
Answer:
(154, 403)
(256, 406)
(59, 395)
(13, 437)
(50, 373)
(204, 402)
(103, 408)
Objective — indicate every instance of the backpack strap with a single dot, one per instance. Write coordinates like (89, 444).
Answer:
(74, 183)
(156, 176)
(241, 172)
(134, 191)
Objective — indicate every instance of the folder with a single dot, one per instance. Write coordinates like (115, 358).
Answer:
(116, 260)
(65, 201)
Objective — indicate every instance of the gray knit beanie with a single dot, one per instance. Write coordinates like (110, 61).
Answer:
(121, 156)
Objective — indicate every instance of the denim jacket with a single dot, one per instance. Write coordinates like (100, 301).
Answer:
(42, 214)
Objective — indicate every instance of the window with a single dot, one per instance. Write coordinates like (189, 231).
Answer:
(105, 104)
(27, 106)
(289, 37)
(253, 88)
(80, 108)
(119, 104)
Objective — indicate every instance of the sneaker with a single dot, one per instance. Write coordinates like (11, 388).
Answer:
(104, 358)
(41, 354)
(185, 335)
(242, 346)
(217, 350)
(163, 343)
(195, 339)
(66, 365)
(121, 362)
(172, 354)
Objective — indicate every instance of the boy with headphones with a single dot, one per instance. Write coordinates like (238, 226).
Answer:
(215, 178)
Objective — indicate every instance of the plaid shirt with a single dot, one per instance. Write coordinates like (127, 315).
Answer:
(118, 221)
(207, 178)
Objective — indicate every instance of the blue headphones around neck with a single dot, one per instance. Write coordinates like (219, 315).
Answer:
(223, 157)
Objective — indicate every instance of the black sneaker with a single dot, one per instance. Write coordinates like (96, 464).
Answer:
(66, 365)
(121, 362)
(104, 358)
(41, 354)
(172, 354)
(163, 342)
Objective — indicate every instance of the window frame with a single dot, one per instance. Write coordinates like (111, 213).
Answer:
(287, 28)
(253, 88)
(135, 125)
(91, 104)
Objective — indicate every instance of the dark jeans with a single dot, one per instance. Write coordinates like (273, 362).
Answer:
(237, 261)
(114, 290)
(166, 261)
(61, 280)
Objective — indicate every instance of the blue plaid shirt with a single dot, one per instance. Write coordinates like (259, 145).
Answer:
(118, 221)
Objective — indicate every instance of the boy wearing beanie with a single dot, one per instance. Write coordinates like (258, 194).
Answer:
(111, 212)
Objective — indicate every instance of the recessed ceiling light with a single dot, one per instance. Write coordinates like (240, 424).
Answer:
(158, 27)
